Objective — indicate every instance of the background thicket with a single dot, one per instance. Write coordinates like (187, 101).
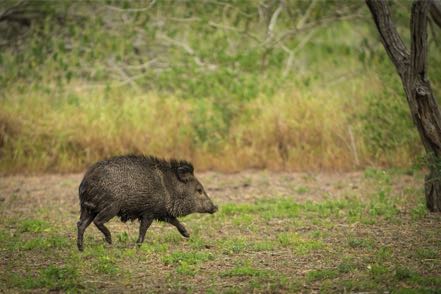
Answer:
(293, 85)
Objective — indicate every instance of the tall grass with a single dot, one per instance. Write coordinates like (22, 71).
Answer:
(298, 128)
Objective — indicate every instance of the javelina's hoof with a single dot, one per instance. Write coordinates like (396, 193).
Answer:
(109, 240)
(80, 247)
(185, 234)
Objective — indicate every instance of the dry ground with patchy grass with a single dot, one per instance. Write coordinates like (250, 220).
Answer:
(274, 232)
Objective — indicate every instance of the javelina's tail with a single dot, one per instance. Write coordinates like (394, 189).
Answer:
(82, 191)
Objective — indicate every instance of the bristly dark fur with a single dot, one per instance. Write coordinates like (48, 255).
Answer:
(140, 187)
(160, 163)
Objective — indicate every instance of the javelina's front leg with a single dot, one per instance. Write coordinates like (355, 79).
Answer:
(174, 221)
(145, 224)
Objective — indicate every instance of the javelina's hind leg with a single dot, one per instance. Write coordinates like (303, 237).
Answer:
(85, 219)
(105, 232)
(103, 217)
(145, 224)
(174, 221)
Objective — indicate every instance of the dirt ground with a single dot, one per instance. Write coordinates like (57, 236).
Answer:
(275, 232)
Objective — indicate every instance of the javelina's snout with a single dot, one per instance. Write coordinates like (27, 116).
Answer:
(208, 207)
(213, 209)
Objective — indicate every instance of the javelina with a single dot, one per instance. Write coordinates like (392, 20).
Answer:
(140, 187)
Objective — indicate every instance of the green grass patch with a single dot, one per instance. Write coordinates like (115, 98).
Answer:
(43, 243)
(106, 264)
(34, 226)
(419, 212)
(360, 243)
(427, 253)
(191, 257)
(264, 246)
(302, 190)
(322, 274)
(171, 237)
(272, 244)
(384, 254)
(234, 245)
(243, 220)
(186, 263)
(380, 273)
(55, 278)
(155, 247)
(346, 266)
(123, 237)
(299, 244)
(246, 271)
(379, 206)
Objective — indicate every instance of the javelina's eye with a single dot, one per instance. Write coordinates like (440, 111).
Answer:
(199, 190)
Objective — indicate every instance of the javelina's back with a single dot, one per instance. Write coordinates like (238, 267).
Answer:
(133, 183)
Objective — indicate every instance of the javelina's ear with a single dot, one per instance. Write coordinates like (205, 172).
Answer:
(184, 173)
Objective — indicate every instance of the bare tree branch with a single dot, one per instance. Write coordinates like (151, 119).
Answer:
(126, 77)
(312, 25)
(233, 29)
(307, 14)
(188, 50)
(273, 21)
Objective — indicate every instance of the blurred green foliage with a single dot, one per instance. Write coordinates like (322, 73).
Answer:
(220, 57)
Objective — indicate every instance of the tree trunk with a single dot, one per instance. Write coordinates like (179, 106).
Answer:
(432, 189)
(412, 70)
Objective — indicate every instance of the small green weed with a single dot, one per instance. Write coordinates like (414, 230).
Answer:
(186, 269)
(234, 246)
(154, 247)
(383, 254)
(172, 237)
(245, 271)
(106, 264)
(346, 266)
(34, 226)
(299, 244)
(380, 176)
(52, 277)
(243, 220)
(239, 209)
(57, 242)
(403, 273)
(302, 190)
(179, 257)
(103, 260)
(360, 243)
(263, 246)
(426, 253)
(419, 212)
(383, 206)
(321, 274)
(123, 237)
(197, 243)
(379, 272)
